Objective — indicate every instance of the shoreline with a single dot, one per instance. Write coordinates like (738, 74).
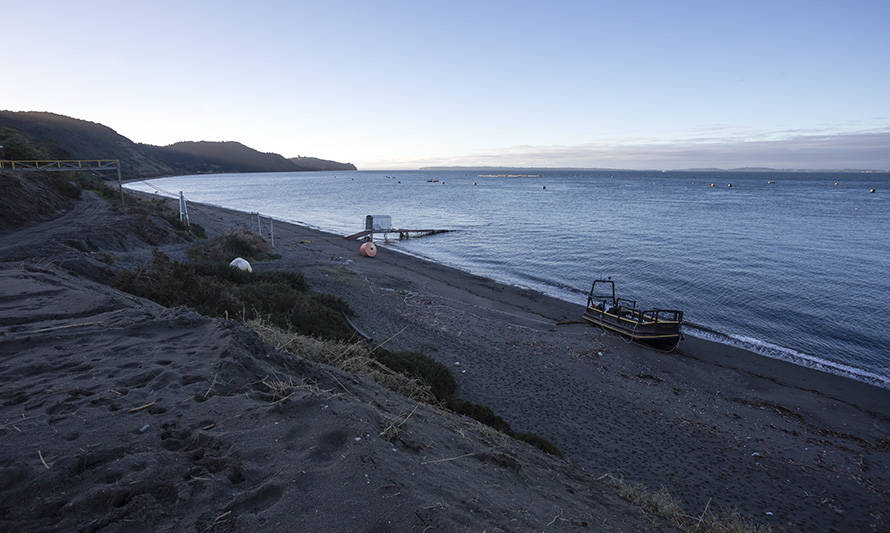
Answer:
(758, 347)
(710, 422)
(700, 348)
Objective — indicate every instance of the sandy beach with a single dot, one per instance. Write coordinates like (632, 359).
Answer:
(120, 413)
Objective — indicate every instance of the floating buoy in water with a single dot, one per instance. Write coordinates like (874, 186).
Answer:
(693, 182)
(712, 185)
(730, 185)
(544, 188)
(368, 249)
(241, 264)
(871, 190)
(475, 183)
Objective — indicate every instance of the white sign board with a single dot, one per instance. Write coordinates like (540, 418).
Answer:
(382, 222)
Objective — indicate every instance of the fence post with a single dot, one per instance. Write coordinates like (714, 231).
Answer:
(272, 231)
(180, 207)
(120, 183)
(185, 207)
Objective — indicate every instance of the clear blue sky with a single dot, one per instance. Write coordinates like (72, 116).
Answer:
(402, 84)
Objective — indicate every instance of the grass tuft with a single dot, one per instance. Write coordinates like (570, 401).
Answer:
(663, 504)
(354, 357)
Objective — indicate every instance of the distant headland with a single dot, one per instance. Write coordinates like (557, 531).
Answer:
(41, 135)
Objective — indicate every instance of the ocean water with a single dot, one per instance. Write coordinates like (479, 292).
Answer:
(798, 269)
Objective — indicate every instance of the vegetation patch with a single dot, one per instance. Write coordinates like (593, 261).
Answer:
(663, 504)
(65, 185)
(151, 206)
(217, 290)
(356, 357)
(423, 367)
(539, 442)
(237, 243)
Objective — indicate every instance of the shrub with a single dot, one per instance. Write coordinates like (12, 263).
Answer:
(218, 290)
(312, 318)
(334, 302)
(238, 243)
(481, 413)
(105, 188)
(539, 442)
(63, 183)
(416, 364)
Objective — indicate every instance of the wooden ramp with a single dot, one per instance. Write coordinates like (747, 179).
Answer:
(403, 233)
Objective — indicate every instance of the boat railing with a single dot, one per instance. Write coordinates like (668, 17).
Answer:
(644, 318)
(624, 303)
(661, 316)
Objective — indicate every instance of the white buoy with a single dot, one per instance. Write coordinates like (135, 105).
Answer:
(241, 264)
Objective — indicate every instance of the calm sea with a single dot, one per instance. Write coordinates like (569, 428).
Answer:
(790, 265)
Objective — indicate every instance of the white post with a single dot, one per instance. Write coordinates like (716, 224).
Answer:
(120, 183)
(180, 206)
(185, 207)
(272, 231)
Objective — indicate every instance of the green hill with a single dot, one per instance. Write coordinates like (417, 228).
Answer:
(314, 163)
(37, 135)
(40, 135)
(227, 156)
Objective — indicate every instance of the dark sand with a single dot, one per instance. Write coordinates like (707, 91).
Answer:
(788, 446)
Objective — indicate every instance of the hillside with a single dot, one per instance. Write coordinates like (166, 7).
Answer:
(314, 163)
(40, 135)
(227, 156)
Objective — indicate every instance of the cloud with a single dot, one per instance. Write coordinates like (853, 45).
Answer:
(863, 150)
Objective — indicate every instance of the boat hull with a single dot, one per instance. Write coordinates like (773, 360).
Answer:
(662, 334)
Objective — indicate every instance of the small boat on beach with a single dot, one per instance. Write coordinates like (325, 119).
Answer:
(658, 327)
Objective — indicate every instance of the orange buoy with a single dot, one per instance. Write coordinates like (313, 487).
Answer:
(835, 184)
(368, 249)
(712, 185)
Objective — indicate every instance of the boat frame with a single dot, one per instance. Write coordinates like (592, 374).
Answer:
(660, 327)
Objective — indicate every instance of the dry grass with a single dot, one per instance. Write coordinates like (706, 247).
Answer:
(392, 429)
(281, 389)
(353, 357)
(663, 504)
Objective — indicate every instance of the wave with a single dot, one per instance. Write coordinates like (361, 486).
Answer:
(774, 351)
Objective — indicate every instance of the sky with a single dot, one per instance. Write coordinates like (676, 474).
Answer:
(392, 85)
